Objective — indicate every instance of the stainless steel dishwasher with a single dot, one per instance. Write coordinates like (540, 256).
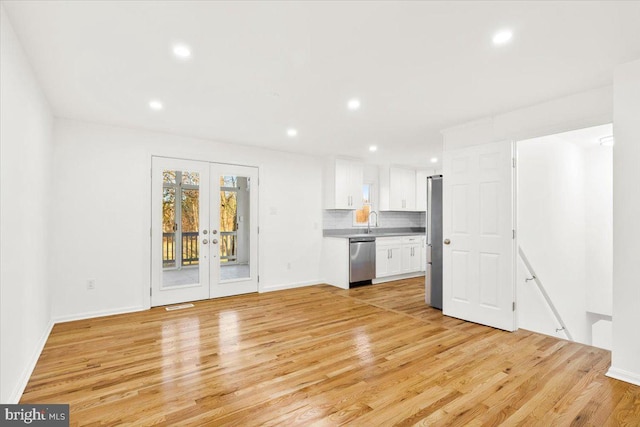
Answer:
(362, 260)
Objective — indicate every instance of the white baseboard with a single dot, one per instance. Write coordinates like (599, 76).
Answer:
(28, 370)
(290, 286)
(101, 313)
(622, 375)
(397, 277)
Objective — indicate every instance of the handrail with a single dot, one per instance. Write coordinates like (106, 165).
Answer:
(535, 278)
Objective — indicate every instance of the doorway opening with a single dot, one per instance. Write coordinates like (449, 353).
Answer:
(564, 223)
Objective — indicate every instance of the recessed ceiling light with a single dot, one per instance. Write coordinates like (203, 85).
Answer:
(155, 105)
(373, 148)
(434, 160)
(292, 132)
(182, 51)
(502, 37)
(607, 141)
(353, 104)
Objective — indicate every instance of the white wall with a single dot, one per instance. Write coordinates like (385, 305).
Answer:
(576, 111)
(25, 152)
(599, 229)
(102, 214)
(564, 228)
(551, 225)
(625, 358)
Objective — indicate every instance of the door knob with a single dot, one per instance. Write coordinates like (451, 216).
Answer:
(214, 241)
(214, 231)
(447, 241)
(204, 231)
(205, 241)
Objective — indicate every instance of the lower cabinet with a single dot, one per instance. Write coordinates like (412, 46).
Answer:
(388, 256)
(398, 255)
(411, 254)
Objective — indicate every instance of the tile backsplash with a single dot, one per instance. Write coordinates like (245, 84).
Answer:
(339, 219)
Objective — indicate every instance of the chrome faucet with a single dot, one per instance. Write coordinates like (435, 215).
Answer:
(369, 221)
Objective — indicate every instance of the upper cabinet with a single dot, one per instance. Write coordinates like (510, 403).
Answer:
(421, 190)
(343, 184)
(397, 189)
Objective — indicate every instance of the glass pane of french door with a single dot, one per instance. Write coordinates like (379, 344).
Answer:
(168, 227)
(235, 226)
(190, 227)
(179, 223)
(235, 199)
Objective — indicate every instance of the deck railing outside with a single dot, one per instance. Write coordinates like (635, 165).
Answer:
(228, 246)
(189, 249)
(190, 256)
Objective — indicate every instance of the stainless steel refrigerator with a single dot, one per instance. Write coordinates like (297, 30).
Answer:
(433, 285)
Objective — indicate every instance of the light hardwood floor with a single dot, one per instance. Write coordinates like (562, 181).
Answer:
(320, 355)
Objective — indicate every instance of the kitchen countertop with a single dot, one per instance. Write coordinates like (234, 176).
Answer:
(347, 233)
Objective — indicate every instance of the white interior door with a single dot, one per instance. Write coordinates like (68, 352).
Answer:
(204, 230)
(478, 224)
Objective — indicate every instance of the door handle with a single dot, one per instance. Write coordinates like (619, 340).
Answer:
(447, 241)
(214, 231)
(214, 241)
(205, 241)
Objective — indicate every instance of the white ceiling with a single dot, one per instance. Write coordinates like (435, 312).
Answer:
(261, 67)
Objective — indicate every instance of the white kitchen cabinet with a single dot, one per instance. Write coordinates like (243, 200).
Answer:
(421, 190)
(382, 261)
(411, 254)
(399, 255)
(397, 189)
(343, 184)
(388, 256)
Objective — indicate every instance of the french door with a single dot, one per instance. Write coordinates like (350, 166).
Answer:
(478, 235)
(204, 230)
